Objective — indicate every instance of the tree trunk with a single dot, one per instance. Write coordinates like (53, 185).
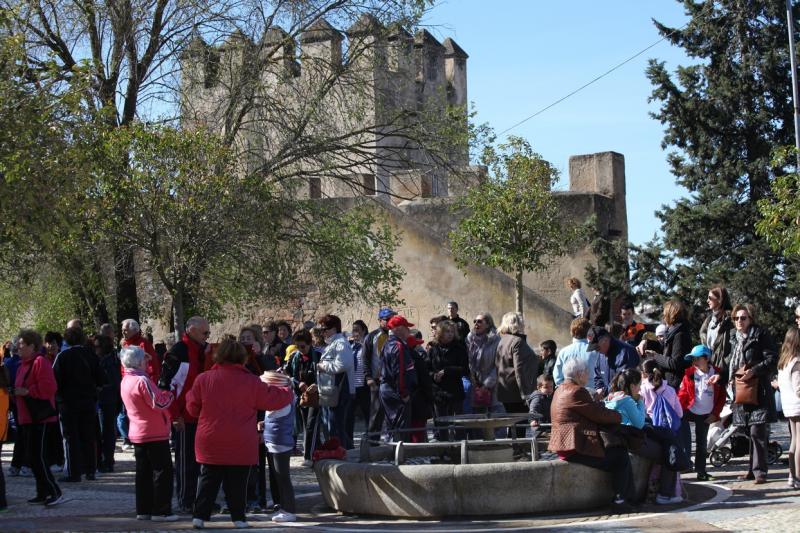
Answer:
(178, 312)
(127, 299)
(520, 288)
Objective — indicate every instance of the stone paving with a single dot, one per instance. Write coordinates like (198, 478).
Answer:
(724, 505)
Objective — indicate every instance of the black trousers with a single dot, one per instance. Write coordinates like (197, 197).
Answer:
(451, 407)
(310, 422)
(700, 440)
(280, 481)
(35, 436)
(186, 467)
(617, 462)
(20, 457)
(360, 403)
(376, 414)
(107, 416)
(517, 407)
(257, 486)
(233, 479)
(80, 451)
(153, 478)
(758, 449)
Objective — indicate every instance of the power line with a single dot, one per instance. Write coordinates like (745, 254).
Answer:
(585, 85)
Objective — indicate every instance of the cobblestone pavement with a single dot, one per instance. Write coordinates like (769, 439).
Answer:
(724, 505)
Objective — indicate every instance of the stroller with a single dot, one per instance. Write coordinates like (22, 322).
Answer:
(728, 441)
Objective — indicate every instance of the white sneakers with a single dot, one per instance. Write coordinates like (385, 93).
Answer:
(143, 517)
(793, 483)
(668, 500)
(241, 524)
(284, 516)
(308, 462)
(197, 523)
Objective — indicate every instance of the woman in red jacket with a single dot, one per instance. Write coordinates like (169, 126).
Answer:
(35, 380)
(225, 400)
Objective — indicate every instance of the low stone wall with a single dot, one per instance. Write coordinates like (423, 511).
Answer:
(421, 491)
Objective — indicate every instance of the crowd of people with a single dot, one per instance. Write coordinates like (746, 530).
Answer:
(235, 411)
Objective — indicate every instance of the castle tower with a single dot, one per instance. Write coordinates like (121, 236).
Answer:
(603, 173)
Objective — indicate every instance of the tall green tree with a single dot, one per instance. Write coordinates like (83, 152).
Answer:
(723, 115)
(512, 221)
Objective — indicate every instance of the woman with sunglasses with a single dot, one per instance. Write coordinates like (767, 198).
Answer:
(754, 356)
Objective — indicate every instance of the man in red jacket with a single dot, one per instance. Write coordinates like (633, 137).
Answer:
(182, 364)
(132, 336)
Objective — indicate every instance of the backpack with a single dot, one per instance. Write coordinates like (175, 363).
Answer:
(664, 415)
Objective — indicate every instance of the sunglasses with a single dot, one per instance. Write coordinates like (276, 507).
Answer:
(477, 321)
(741, 317)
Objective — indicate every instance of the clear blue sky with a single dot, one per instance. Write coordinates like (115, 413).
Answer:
(525, 54)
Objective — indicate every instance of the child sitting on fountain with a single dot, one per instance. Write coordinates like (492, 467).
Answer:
(539, 403)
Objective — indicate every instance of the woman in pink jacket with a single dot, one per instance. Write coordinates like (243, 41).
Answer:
(35, 386)
(225, 400)
(149, 430)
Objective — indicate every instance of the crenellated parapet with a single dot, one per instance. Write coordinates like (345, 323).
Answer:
(347, 79)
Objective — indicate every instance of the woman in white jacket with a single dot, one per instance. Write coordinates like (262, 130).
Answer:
(789, 383)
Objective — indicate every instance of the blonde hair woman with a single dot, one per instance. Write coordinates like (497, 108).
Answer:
(517, 366)
(580, 303)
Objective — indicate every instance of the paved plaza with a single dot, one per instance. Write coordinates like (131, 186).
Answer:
(724, 505)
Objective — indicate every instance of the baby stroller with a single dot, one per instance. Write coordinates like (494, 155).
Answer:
(731, 441)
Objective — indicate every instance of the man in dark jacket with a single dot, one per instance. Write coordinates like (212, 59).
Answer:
(79, 377)
(373, 367)
(109, 399)
(399, 377)
(462, 327)
(182, 364)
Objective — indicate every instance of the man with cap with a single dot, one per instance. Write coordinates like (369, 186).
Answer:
(613, 356)
(373, 366)
(398, 376)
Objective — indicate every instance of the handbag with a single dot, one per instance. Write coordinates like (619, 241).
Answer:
(612, 437)
(329, 389)
(310, 397)
(746, 391)
(481, 397)
(38, 409)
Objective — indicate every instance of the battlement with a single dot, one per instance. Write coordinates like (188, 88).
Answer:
(390, 51)
(365, 78)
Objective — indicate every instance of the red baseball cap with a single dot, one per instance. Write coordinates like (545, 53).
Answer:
(398, 320)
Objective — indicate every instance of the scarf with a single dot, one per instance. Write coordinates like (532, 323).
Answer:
(737, 356)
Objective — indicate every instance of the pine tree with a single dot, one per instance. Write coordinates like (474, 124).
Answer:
(723, 117)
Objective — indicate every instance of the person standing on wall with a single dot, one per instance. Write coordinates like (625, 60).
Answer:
(462, 327)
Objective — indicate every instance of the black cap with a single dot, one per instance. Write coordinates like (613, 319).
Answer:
(594, 335)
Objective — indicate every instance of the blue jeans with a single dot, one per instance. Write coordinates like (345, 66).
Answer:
(122, 422)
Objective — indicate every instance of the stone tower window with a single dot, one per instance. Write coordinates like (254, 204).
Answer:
(368, 181)
(314, 188)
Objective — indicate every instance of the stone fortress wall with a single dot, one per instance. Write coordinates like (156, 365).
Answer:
(420, 73)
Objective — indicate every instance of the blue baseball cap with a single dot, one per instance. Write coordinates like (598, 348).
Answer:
(385, 313)
(698, 351)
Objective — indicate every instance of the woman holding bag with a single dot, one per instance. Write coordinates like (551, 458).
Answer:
(35, 388)
(753, 360)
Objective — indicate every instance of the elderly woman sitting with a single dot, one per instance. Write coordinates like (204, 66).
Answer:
(575, 434)
(149, 431)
